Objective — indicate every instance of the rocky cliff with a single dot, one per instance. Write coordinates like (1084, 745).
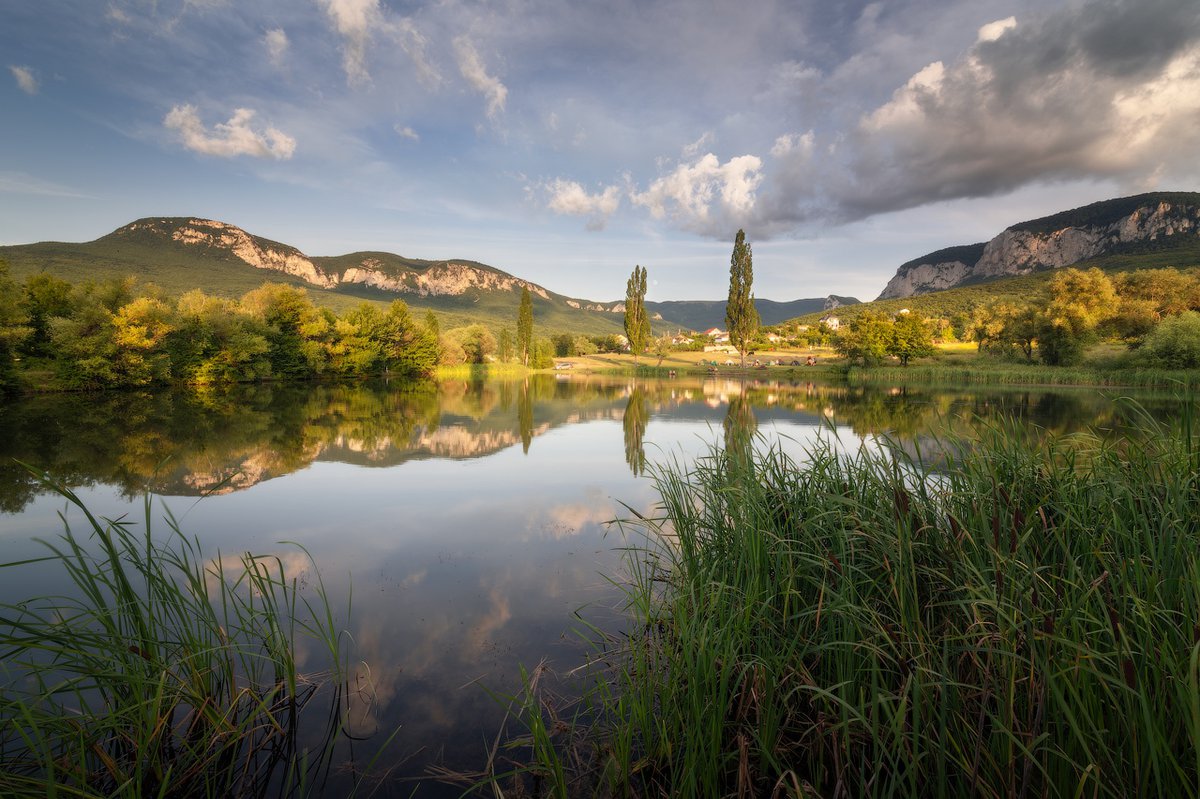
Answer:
(1052, 242)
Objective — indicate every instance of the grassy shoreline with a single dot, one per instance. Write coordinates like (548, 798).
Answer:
(1024, 622)
(158, 672)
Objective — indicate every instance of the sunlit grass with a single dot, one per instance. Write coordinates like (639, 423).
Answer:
(1025, 621)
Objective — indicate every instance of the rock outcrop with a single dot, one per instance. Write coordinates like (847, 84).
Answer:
(1053, 242)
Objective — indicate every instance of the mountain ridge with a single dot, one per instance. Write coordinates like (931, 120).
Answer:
(172, 251)
(1052, 242)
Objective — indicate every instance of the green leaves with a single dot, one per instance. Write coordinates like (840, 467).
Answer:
(741, 317)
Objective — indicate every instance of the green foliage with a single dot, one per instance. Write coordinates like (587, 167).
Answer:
(46, 298)
(13, 328)
(637, 320)
(841, 625)
(504, 346)
(741, 317)
(525, 327)
(475, 342)
(865, 340)
(1175, 343)
(910, 339)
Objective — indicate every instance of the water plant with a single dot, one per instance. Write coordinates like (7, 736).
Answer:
(1017, 616)
(158, 672)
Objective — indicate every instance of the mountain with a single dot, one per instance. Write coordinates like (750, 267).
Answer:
(705, 314)
(183, 253)
(1143, 222)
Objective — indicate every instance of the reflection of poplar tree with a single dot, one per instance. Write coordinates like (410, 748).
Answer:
(525, 416)
(637, 414)
(740, 427)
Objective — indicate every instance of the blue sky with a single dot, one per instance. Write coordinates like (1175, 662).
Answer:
(566, 142)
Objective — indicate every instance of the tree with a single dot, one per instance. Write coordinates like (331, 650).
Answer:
(525, 327)
(1175, 343)
(741, 317)
(637, 322)
(910, 339)
(865, 339)
(504, 347)
(13, 330)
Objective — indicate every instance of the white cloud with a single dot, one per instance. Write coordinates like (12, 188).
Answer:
(570, 198)
(229, 139)
(355, 21)
(276, 42)
(26, 80)
(699, 145)
(471, 66)
(359, 21)
(994, 30)
(794, 143)
(405, 132)
(705, 196)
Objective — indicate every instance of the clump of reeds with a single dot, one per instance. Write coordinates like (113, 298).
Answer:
(156, 672)
(1023, 622)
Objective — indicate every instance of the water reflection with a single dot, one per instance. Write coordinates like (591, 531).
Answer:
(189, 443)
(467, 518)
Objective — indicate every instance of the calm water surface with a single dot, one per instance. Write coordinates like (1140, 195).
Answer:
(470, 518)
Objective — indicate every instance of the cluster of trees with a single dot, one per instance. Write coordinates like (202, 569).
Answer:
(477, 344)
(1149, 309)
(119, 334)
(871, 336)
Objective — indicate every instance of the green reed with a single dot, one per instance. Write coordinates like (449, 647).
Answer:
(1023, 620)
(158, 673)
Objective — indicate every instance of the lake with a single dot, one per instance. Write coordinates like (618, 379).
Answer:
(470, 520)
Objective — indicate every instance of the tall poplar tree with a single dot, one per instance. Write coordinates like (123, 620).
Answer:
(637, 321)
(741, 317)
(525, 327)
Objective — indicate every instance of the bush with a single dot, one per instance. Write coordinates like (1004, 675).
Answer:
(1175, 343)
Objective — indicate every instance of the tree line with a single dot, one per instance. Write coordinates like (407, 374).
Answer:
(117, 333)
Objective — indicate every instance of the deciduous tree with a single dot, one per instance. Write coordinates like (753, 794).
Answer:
(637, 322)
(741, 317)
(525, 328)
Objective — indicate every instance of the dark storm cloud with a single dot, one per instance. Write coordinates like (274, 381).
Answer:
(1104, 90)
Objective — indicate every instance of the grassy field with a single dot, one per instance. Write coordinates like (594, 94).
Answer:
(1021, 623)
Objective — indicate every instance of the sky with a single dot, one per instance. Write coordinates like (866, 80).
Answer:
(566, 142)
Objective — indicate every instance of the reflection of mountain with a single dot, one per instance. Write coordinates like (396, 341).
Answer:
(190, 443)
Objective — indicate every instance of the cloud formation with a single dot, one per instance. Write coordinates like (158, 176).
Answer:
(276, 42)
(26, 80)
(570, 198)
(355, 21)
(406, 132)
(229, 139)
(705, 196)
(471, 67)
(1104, 90)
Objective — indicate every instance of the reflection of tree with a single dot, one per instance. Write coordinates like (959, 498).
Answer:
(637, 414)
(525, 415)
(740, 426)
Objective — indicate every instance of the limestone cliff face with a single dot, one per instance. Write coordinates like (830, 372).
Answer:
(256, 252)
(1052, 242)
(443, 279)
(925, 277)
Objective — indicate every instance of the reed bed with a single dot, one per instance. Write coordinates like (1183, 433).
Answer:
(159, 673)
(979, 372)
(1023, 621)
